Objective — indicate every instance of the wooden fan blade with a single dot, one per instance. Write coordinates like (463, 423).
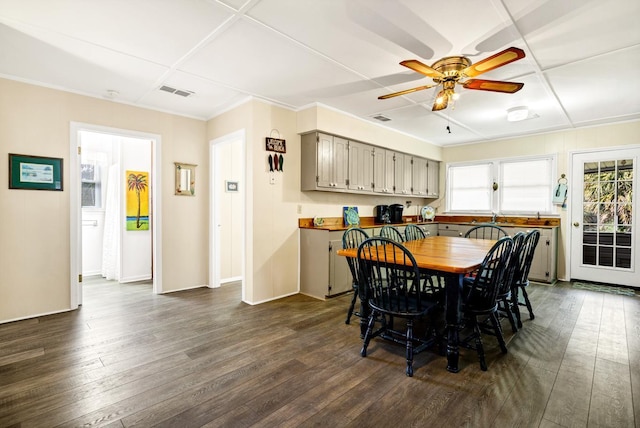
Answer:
(421, 68)
(406, 91)
(493, 85)
(440, 105)
(498, 60)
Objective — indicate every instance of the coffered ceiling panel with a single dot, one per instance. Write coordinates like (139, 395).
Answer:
(581, 64)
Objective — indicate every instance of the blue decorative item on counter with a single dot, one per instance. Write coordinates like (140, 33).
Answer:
(351, 216)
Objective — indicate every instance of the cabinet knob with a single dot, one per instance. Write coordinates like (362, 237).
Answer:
(576, 224)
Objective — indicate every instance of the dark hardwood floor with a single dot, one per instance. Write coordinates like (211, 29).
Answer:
(203, 358)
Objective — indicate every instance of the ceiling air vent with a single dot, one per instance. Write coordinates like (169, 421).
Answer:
(381, 118)
(180, 92)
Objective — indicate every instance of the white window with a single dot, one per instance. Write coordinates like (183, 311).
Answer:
(505, 186)
(91, 189)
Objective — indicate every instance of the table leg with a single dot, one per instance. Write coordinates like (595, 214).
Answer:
(453, 294)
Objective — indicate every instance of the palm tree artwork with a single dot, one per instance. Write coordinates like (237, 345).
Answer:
(137, 206)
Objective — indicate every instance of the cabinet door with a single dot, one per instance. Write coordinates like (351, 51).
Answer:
(433, 178)
(324, 162)
(449, 230)
(541, 264)
(340, 162)
(339, 274)
(360, 166)
(402, 174)
(389, 165)
(332, 159)
(383, 171)
(429, 229)
(419, 177)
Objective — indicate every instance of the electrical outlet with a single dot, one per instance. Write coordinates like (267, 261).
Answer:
(272, 179)
(299, 209)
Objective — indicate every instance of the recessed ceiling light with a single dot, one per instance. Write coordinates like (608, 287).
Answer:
(516, 114)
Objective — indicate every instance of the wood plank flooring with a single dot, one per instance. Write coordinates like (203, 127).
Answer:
(202, 358)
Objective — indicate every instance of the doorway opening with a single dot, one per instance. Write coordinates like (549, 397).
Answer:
(227, 211)
(100, 160)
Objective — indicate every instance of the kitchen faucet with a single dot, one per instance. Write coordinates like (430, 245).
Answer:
(493, 217)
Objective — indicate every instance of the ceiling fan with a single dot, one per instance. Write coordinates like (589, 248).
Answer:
(454, 69)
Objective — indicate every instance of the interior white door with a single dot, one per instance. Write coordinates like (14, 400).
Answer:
(605, 242)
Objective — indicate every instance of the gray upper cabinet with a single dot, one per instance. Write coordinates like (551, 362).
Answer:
(433, 179)
(383, 171)
(333, 163)
(403, 174)
(325, 160)
(419, 176)
(360, 167)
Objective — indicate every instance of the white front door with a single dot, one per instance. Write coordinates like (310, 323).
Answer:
(605, 242)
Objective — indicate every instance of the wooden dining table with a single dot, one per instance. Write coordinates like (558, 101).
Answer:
(451, 258)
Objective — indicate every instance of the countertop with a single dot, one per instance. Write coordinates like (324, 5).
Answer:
(337, 223)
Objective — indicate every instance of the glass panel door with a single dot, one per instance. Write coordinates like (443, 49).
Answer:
(607, 213)
(604, 238)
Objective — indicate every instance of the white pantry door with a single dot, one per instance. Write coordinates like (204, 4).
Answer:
(605, 240)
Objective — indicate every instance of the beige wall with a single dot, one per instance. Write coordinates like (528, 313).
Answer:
(273, 209)
(34, 225)
(272, 231)
(328, 120)
(230, 164)
(560, 143)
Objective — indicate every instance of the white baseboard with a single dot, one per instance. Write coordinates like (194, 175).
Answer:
(28, 317)
(271, 299)
(186, 288)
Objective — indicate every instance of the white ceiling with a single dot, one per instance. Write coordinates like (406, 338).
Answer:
(582, 64)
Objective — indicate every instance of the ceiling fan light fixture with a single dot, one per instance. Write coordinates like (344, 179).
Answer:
(516, 114)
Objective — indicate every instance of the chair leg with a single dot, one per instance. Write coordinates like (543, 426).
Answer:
(351, 306)
(516, 306)
(367, 335)
(498, 331)
(409, 339)
(528, 303)
(510, 316)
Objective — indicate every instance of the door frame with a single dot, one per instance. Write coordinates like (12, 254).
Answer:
(214, 212)
(75, 205)
(570, 207)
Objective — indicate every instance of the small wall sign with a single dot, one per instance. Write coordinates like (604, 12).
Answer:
(276, 145)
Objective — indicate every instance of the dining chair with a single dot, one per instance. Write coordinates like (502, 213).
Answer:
(486, 231)
(521, 280)
(413, 232)
(394, 288)
(391, 232)
(479, 298)
(352, 238)
(505, 294)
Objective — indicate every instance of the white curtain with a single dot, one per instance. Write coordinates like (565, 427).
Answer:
(111, 239)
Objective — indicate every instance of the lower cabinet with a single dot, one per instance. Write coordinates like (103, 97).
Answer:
(322, 272)
(544, 265)
(452, 229)
(429, 229)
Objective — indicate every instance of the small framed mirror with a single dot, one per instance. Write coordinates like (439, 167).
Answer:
(185, 179)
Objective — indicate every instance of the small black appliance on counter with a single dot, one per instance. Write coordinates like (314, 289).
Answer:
(382, 214)
(395, 213)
